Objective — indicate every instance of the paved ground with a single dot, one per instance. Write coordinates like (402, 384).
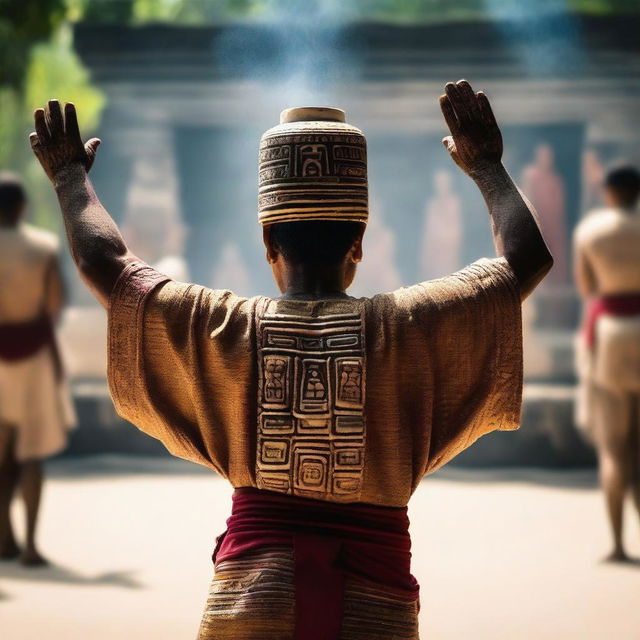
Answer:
(508, 555)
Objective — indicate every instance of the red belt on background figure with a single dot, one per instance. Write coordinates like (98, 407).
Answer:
(330, 541)
(21, 340)
(623, 305)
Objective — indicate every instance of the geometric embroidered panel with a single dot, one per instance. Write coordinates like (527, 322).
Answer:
(311, 428)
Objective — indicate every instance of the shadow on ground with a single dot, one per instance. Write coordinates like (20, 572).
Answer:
(62, 575)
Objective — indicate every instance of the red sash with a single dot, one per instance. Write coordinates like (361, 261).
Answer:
(330, 541)
(21, 340)
(627, 304)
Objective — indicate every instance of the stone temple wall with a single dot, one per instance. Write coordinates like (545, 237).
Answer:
(186, 106)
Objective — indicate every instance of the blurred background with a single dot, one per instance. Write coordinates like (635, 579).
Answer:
(180, 91)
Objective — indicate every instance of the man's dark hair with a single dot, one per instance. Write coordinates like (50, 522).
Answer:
(624, 182)
(12, 199)
(315, 242)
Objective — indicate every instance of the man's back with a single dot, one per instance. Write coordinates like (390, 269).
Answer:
(342, 400)
(27, 256)
(608, 240)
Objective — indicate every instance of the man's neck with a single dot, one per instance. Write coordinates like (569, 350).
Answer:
(317, 283)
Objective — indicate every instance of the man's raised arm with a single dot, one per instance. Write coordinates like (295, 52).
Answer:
(97, 247)
(475, 144)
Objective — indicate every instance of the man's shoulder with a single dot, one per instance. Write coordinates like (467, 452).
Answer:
(40, 239)
(172, 295)
(595, 223)
(440, 292)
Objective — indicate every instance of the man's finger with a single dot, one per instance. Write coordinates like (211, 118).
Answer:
(41, 125)
(448, 143)
(458, 104)
(92, 146)
(486, 110)
(55, 119)
(449, 114)
(90, 149)
(34, 140)
(469, 98)
(71, 120)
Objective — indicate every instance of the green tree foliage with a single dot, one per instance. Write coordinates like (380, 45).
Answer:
(55, 71)
(37, 62)
(402, 11)
(22, 24)
(115, 11)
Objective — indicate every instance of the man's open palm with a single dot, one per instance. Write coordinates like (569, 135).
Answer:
(475, 141)
(57, 142)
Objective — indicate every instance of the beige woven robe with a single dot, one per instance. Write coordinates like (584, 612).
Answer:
(352, 400)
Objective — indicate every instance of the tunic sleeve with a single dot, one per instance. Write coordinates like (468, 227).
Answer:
(449, 355)
(476, 342)
(180, 367)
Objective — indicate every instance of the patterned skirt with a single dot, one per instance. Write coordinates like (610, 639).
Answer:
(253, 598)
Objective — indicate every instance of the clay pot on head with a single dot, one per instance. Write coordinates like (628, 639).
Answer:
(313, 166)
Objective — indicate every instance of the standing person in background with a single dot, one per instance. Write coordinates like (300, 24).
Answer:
(443, 231)
(592, 178)
(607, 271)
(35, 407)
(545, 188)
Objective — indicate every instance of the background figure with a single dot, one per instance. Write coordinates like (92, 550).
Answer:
(173, 263)
(592, 177)
(152, 221)
(35, 406)
(442, 230)
(607, 269)
(231, 271)
(381, 273)
(545, 188)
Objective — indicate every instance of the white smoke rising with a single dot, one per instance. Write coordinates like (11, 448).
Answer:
(545, 35)
(298, 50)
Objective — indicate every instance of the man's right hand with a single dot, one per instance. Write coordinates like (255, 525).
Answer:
(476, 146)
(475, 143)
(56, 141)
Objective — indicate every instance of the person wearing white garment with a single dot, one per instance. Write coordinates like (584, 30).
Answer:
(607, 272)
(35, 405)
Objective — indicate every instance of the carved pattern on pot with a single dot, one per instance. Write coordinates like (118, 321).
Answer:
(313, 170)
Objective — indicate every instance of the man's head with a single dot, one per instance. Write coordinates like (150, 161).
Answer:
(622, 187)
(318, 249)
(13, 200)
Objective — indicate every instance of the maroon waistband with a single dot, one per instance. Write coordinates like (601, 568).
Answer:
(627, 304)
(330, 542)
(21, 340)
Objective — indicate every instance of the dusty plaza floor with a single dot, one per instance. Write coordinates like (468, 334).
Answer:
(501, 555)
